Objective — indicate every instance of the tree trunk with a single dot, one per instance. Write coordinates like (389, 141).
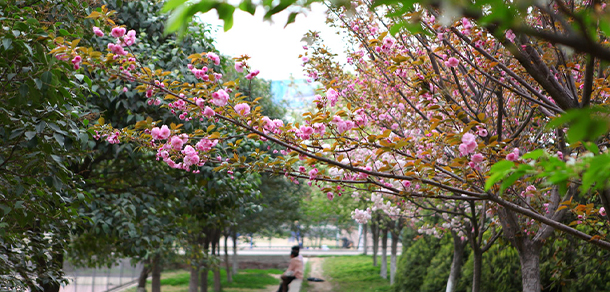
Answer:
(235, 262)
(384, 253)
(393, 253)
(530, 269)
(57, 260)
(194, 280)
(364, 238)
(156, 274)
(375, 233)
(477, 264)
(203, 281)
(456, 263)
(529, 250)
(216, 268)
(217, 286)
(142, 279)
(227, 264)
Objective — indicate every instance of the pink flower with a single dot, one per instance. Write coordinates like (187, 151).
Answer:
(510, 36)
(130, 38)
(160, 133)
(469, 144)
(330, 196)
(332, 96)
(313, 173)
(306, 132)
(239, 66)
(560, 155)
(220, 97)
(252, 74)
(466, 23)
(319, 128)
(514, 155)
(243, 109)
(602, 211)
(176, 142)
(482, 132)
(116, 49)
(208, 112)
(155, 133)
(98, 32)
(305, 59)
(200, 102)
(214, 58)
(477, 158)
(189, 151)
(117, 32)
(468, 138)
(452, 62)
(206, 145)
(191, 160)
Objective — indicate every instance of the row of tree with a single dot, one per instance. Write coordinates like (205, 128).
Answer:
(64, 194)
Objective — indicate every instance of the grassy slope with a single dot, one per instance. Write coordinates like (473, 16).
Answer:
(245, 279)
(355, 273)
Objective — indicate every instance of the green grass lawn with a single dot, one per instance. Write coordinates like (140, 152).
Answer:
(178, 281)
(355, 273)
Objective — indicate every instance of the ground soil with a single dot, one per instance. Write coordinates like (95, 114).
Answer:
(318, 272)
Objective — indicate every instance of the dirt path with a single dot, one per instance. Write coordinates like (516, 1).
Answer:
(318, 272)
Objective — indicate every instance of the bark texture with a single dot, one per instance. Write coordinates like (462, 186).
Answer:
(384, 253)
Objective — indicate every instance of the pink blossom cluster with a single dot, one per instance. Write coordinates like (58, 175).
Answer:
(469, 144)
(332, 96)
(214, 58)
(239, 66)
(199, 73)
(362, 216)
(242, 109)
(220, 97)
(513, 156)
(160, 133)
(341, 125)
(272, 126)
(305, 132)
(76, 62)
(252, 74)
(113, 138)
(206, 144)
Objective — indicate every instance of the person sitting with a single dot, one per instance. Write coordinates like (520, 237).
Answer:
(294, 271)
(297, 249)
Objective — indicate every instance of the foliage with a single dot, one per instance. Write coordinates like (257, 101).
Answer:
(414, 262)
(354, 273)
(41, 113)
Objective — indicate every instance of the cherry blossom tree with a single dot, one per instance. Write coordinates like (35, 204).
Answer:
(421, 115)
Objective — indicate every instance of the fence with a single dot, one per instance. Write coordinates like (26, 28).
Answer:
(101, 279)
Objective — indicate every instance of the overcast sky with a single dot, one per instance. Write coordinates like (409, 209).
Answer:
(273, 48)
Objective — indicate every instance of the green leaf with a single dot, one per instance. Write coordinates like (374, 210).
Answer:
(47, 77)
(6, 42)
(247, 6)
(59, 138)
(592, 147)
(30, 135)
(534, 154)
(63, 32)
(5, 209)
(172, 4)
(291, 18)
(23, 90)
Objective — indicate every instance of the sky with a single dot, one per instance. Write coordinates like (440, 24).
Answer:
(274, 50)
